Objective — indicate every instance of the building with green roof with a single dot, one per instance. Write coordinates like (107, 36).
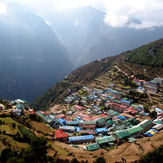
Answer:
(100, 122)
(105, 140)
(92, 147)
(121, 134)
(135, 131)
(146, 125)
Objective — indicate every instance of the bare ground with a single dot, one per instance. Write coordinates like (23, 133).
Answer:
(128, 151)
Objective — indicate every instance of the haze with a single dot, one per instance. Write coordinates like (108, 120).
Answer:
(149, 12)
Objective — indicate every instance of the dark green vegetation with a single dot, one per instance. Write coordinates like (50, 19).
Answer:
(153, 156)
(32, 59)
(151, 54)
(35, 153)
(87, 73)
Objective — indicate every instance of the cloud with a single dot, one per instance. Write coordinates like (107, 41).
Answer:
(76, 23)
(118, 12)
(149, 12)
(3, 8)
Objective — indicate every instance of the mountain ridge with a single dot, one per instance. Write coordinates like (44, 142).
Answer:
(87, 73)
(32, 58)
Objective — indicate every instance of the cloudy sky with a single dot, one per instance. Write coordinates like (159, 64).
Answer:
(149, 12)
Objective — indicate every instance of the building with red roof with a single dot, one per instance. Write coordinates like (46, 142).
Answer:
(77, 107)
(62, 116)
(60, 136)
(83, 115)
(32, 112)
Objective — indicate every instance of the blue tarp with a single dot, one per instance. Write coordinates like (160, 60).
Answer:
(120, 117)
(158, 110)
(148, 134)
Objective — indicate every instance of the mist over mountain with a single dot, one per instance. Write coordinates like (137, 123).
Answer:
(32, 59)
(87, 37)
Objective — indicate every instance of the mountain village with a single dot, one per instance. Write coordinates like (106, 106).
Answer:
(101, 115)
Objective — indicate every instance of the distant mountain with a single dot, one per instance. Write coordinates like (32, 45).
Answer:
(83, 75)
(86, 36)
(32, 59)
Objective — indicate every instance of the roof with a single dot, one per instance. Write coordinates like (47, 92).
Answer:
(125, 101)
(131, 139)
(122, 133)
(92, 147)
(109, 122)
(62, 121)
(73, 122)
(90, 132)
(62, 116)
(68, 127)
(158, 126)
(145, 123)
(32, 112)
(88, 123)
(59, 134)
(120, 117)
(83, 115)
(78, 107)
(152, 87)
(158, 109)
(84, 137)
(135, 129)
(105, 139)
(20, 106)
(98, 130)
(100, 120)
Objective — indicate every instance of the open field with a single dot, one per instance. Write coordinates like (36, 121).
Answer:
(40, 126)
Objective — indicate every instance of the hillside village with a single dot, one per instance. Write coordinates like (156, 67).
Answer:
(103, 114)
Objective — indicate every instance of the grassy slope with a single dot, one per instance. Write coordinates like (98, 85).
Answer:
(148, 57)
(150, 54)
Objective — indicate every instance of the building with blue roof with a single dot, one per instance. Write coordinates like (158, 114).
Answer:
(103, 131)
(125, 103)
(62, 121)
(81, 139)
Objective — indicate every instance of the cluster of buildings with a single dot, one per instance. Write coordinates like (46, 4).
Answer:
(96, 127)
(153, 86)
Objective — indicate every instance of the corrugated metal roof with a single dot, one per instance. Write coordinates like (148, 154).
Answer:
(135, 129)
(92, 147)
(98, 130)
(99, 120)
(85, 137)
(105, 139)
(88, 123)
(122, 133)
(73, 122)
(145, 123)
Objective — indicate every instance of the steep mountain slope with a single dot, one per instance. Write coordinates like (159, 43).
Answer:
(151, 54)
(32, 59)
(87, 73)
(87, 37)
